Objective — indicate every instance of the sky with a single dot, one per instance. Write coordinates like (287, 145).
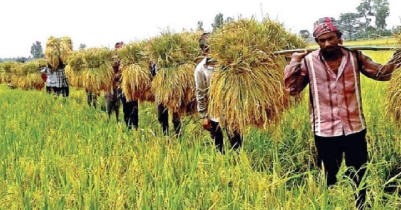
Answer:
(104, 22)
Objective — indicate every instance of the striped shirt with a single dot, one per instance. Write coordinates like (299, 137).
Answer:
(336, 104)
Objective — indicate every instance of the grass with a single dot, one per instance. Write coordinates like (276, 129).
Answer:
(61, 154)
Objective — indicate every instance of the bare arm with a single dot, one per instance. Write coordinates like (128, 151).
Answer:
(373, 69)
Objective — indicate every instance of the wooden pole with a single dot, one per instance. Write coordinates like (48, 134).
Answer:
(370, 48)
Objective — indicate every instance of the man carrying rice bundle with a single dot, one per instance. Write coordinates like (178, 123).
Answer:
(203, 75)
(136, 79)
(173, 86)
(247, 88)
(56, 81)
(111, 97)
(55, 68)
(116, 96)
(333, 74)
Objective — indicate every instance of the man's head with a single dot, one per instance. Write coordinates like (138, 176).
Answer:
(118, 45)
(204, 43)
(327, 35)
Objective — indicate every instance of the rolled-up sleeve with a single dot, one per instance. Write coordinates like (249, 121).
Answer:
(296, 77)
(373, 69)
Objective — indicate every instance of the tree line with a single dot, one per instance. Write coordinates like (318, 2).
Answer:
(368, 21)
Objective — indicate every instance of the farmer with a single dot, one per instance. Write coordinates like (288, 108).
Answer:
(333, 74)
(56, 80)
(112, 97)
(48, 76)
(162, 111)
(203, 75)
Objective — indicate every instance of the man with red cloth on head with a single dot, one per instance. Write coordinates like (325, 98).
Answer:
(333, 74)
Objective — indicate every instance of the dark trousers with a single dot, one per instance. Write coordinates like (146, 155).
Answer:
(162, 115)
(112, 103)
(130, 109)
(92, 99)
(330, 154)
(49, 90)
(216, 133)
(64, 91)
(67, 91)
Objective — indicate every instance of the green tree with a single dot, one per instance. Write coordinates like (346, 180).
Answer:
(382, 11)
(229, 20)
(82, 46)
(37, 50)
(200, 26)
(304, 34)
(349, 23)
(365, 10)
(218, 21)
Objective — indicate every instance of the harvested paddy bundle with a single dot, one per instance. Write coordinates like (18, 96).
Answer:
(52, 52)
(394, 96)
(394, 87)
(57, 49)
(136, 77)
(29, 76)
(7, 69)
(74, 69)
(97, 71)
(15, 72)
(248, 88)
(174, 84)
(65, 48)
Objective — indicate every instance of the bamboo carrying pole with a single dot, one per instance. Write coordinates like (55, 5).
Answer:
(371, 48)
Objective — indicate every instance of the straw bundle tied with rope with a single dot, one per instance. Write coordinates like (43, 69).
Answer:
(91, 69)
(248, 87)
(57, 49)
(136, 77)
(65, 48)
(174, 84)
(23, 75)
(29, 75)
(74, 69)
(394, 87)
(6, 71)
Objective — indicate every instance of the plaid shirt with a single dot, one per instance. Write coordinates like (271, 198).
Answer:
(336, 104)
(61, 79)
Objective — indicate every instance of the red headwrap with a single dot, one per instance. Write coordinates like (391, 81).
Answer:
(325, 25)
(118, 45)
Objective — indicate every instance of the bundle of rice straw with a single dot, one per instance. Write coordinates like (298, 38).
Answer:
(74, 69)
(29, 76)
(57, 49)
(393, 95)
(174, 84)
(136, 77)
(248, 88)
(65, 48)
(91, 69)
(52, 52)
(6, 70)
(14, 72)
